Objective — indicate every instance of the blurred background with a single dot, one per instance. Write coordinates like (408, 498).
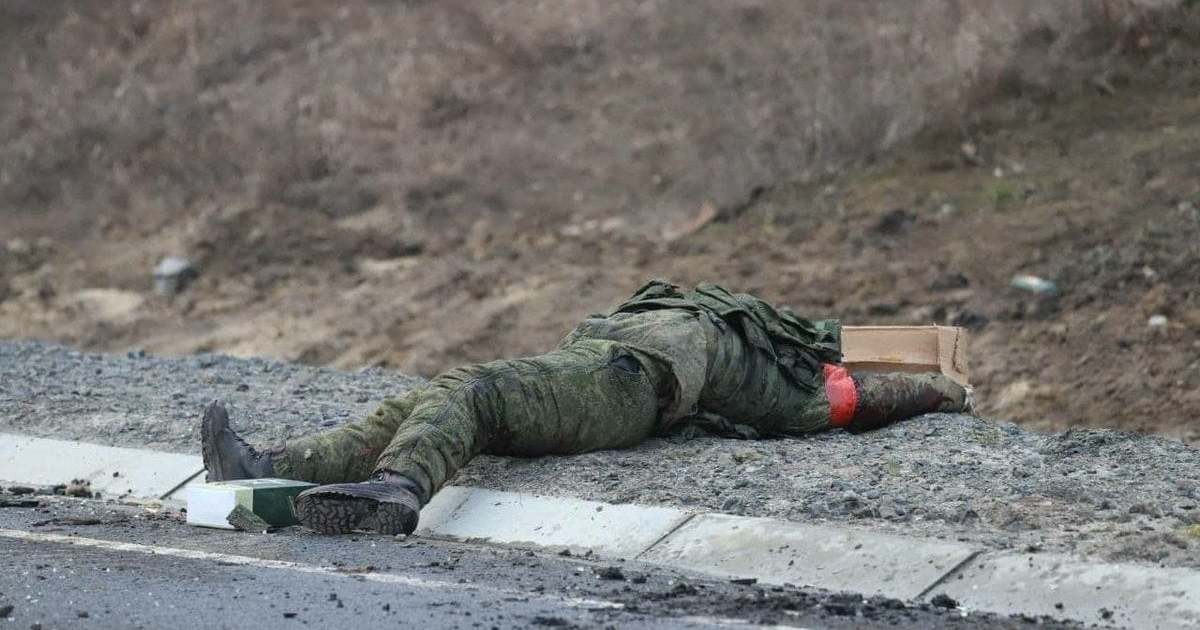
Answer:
(418, 184)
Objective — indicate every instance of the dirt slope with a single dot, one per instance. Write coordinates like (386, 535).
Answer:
(422, 184)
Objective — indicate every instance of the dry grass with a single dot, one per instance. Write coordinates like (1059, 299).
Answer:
(453, 110)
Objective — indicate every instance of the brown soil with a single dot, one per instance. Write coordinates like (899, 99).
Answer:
(348, 207)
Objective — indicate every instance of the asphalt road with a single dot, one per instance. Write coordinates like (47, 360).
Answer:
(95, 564)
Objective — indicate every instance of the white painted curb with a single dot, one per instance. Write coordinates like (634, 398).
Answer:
(770, 551)
(617, 531)
(113, 472)
(783, 552)
(1127, 595)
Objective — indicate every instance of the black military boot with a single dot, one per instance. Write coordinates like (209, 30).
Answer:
(226, 455)
(388, 503)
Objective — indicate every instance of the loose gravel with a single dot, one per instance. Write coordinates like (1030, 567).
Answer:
(1107, 495)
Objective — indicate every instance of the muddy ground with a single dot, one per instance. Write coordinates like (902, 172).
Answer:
(417, 185)
(1096, 493)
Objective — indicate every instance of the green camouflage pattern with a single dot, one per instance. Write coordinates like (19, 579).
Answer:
(708, 359)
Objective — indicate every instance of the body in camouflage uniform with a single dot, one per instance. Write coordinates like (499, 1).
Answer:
(665, 359)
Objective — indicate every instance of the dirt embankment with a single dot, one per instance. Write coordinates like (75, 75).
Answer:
(422, 184)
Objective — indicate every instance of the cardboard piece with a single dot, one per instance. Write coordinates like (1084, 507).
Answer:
(907, 349)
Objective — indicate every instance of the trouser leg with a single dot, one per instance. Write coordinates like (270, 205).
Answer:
(588, 396)
(346, 454)
(884, 398)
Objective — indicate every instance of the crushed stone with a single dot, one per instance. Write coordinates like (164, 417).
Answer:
(1108, 495)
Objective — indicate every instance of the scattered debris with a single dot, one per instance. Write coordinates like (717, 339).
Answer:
(610, 573)
(247, 521)
(81, 488)
(73, 520)
(1034, 284)
(683, 588)
(172, 275)
(942, 600)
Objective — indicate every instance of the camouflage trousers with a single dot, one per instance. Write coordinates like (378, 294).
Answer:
(614, 381)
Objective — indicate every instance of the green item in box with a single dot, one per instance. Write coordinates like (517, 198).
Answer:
(209, 504)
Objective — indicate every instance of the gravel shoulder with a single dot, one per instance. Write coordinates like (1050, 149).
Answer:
(1107, 495)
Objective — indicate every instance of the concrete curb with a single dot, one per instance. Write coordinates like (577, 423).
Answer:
(113, 472)
(769, 551)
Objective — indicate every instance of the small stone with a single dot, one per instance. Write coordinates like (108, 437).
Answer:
(6, 611)
(80, 488)
(942, 600)
(610, 573)
(1034, 284)
(1157, 323)
(82, 614)
(172, 275)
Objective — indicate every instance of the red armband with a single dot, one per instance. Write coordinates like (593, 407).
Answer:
(842, 394)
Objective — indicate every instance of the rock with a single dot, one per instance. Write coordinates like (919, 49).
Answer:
(1034, 284)
(743, 455)
(1157, 323)
(81, 488)
(610, 573)
(172, 275)
(942, 600)
(6, 611)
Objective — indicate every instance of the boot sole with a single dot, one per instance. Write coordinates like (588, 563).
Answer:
(332, 514)
(337, 511)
